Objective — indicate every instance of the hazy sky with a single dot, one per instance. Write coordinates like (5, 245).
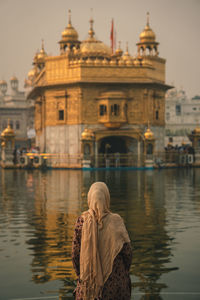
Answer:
(176, 23)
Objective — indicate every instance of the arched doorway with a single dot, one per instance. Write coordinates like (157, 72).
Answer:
(113, 144)
(117, 151)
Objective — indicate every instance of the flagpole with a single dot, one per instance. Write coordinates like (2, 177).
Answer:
(112, 35)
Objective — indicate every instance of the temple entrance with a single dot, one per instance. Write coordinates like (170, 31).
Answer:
(113, 144)
(118, 151)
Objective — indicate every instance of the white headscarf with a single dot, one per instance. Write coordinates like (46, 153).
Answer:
(103, 236)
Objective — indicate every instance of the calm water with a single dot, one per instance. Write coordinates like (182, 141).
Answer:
(161, 210)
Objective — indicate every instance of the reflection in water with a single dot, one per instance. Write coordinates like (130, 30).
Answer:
(151, 242)
(44, 207)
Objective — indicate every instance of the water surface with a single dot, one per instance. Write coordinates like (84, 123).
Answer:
(38, 210)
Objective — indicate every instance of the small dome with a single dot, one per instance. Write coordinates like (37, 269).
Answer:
(147, 35)
(35, 59)
(3, 82)
(14, 82)
(3, 86)
(197, 130)
(148, 135)
(93, 47)
(136, 62)
(126, 57)
(119, 51)
(69, 34)
(42, 54)
(13, 78)
(8, 131)
(32, 73)
(87, 134)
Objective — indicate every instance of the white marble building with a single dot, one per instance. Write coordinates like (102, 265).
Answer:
(182, 115)
(15, 107)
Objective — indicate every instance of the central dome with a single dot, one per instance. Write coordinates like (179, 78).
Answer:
(93, 47)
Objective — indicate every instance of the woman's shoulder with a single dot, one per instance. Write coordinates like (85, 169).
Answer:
(116, 217)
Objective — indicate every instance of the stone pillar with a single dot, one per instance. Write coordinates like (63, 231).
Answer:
(138, 154)
(149, 148)
(87, 148)
(8, 158)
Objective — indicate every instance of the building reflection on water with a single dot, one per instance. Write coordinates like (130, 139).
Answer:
(59, 196)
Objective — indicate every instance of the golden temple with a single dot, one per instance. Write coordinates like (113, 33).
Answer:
(90, 101)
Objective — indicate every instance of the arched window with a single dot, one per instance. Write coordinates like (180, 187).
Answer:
(141, 51)
(148, 51)
(11, 124)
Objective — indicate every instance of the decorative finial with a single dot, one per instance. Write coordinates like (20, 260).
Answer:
(91, 31)
(147, 18)
(69, 17)
(42, 44)
(127, 47)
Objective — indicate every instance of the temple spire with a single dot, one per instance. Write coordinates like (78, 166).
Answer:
(147, 18)
(91, 31)
(69, 17)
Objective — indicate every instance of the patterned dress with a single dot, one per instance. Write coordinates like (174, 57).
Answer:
(118, 284)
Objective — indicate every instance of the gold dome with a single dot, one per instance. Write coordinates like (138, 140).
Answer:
(93, 47)
(87, 134)
(197, 130)
(8, 131)
(3, 83)
(126, 57)
(35, 59)
(69, 34)
(119, 51)
(13, 78)
(3, 87)
(147, 35)
(42, 54)
(148, 135)
(32, 73)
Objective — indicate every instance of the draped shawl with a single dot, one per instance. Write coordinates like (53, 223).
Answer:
(103, 236)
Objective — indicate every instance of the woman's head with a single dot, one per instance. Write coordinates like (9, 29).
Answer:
(99, 199)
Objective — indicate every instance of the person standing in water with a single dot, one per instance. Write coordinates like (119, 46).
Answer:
(101, 250)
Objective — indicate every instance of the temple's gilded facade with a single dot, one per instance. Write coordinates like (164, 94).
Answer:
(90, 101)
